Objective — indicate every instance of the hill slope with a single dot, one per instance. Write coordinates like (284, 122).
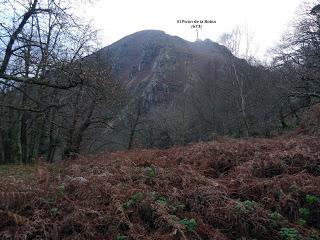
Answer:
(157, 66)
(190, 90)
(228, 189)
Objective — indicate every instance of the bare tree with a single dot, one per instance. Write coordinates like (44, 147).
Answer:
(297, 61)
(241, 42)
(91, 105)
(298, 56)
(43, 45)
(133, 119)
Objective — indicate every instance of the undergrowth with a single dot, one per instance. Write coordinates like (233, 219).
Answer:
(262, 189)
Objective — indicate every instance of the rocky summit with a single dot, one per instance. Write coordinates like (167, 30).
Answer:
(156, 65)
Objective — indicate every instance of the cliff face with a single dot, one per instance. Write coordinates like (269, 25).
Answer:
(156, 66)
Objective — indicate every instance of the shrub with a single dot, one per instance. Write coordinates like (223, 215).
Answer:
(301, 222)
(304, 213)
(137, 197)
(150, 171)
(275, 219)
(54, 211)
(311, 200)
(246, 206)
(121, 237)
(61, 190)
(289, 234)
(275, 216)
(162, 200)
(189, 224)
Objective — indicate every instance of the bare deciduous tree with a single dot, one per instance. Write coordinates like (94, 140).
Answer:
(241, 42)
(297, 60)
(42, 71)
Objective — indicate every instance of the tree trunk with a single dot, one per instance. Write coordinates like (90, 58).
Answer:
(12, 146)
(241, 102)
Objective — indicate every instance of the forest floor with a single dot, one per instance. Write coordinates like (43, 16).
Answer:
(226, 189)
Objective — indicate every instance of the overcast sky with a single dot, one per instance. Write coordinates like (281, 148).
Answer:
(267, 19)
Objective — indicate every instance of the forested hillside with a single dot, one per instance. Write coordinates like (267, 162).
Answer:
(61, 96)
(184, 91)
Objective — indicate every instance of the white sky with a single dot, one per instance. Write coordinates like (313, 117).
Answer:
(267, 19)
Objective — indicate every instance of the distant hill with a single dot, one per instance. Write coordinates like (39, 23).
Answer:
(191, 90)
(156, 65)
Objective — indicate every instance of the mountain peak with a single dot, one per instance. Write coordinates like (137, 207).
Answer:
(154, 64)
(149, 31)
